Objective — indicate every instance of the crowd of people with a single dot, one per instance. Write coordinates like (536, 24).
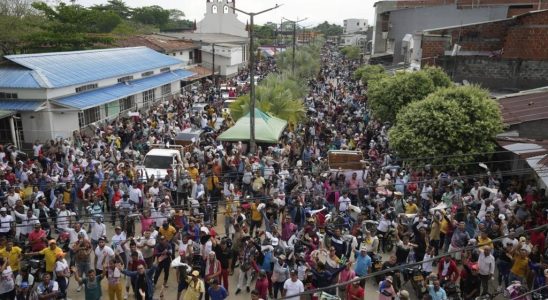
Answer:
(290, 224)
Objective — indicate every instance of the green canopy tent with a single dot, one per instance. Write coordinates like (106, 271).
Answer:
(268, 129)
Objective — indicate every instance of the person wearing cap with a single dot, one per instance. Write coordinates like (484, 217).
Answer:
(50, 255)
(280, 274)
(213, 271)
(363, 262)
(386, 289)
(354, 291)
(520, 264)
(62, 274)
(292, 286)
(6, 223)
(195, 288)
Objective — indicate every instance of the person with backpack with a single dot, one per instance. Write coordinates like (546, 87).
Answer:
(386, 289)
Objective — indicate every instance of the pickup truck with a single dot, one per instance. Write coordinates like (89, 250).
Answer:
(158, 161)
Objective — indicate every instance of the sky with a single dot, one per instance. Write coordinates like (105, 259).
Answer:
(317, 11)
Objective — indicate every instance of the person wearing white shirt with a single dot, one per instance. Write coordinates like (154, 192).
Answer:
(486, 266)
(27, 222)
(117, 239)
(293, 286)
(98, 230)
(103, 254)
(63, 217)
(344, 202)
(5, 222)
(135, 194)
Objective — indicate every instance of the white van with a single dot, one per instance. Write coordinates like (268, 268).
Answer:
(158, 161)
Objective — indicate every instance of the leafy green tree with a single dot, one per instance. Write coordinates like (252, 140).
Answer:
(388, 95)
(438, 76)
(451, 126)
(151, 15)
(263, 32)
(18, 21)
(119, 7)
(351, 52)
(369, 72)
(329, 29)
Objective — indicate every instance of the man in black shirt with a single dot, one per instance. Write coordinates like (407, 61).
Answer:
(224, 254)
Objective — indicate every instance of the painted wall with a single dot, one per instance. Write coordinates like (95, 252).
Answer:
(354, 25)
(217, 19)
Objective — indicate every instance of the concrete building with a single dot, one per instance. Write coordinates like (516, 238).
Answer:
(219, 34)
(354, 25)
(508, 54)
(397, 23)
(54, 94)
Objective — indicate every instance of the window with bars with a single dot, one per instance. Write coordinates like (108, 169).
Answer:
(127, 103)
(89, 116)
(166, 89)
(8, 95)
(125, 79)
(148, 98)
(146, 74)
(163, 70)
(87, 87)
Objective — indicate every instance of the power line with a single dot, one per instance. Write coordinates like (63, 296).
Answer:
(408, 265)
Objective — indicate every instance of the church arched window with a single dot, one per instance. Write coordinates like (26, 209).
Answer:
(214, 9)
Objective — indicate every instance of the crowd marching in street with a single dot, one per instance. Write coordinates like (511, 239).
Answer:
(289, 224)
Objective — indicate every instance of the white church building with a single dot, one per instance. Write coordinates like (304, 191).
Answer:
(222, 35)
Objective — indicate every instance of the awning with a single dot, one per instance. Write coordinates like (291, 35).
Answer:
(20, 105)
(121, 90)
(199, 73)
(6, 113)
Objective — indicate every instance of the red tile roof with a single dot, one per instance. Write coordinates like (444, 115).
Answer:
(524, 107)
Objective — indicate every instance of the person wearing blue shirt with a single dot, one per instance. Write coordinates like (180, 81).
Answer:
(363, 262)
(217, 292)
(436, 291)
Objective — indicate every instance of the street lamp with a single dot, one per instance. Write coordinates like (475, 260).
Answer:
(294, 41)
(252, 74)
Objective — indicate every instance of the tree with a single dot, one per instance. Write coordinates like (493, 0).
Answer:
(329, 29)
(351, 52)
(388, 95)
(151, 15)
(18, 21)
(452, 126)
(438, 76)
(370, 72)
(119, 7)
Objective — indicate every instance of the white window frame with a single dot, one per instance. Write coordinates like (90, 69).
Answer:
(89, 116)
(148, 97)
(127, 103)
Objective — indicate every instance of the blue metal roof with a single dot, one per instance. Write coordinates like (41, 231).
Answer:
(61, 69)
(20, 105)
(17, 77)
(121, 90)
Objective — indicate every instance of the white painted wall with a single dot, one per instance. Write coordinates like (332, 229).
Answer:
(354, 25)
(221, 22)
(183, 55)
(29, 94)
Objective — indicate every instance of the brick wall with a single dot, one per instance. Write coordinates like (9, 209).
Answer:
(496, 73)
(432, 47)
(528, 38)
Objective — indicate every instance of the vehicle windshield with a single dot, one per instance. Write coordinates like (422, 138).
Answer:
(158, 162)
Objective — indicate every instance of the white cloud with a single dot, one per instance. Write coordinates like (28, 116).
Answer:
(333, 11)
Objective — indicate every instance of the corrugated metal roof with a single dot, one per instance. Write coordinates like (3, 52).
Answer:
(61, 69)
(524, 107)
(14, 77)
(6, 113)
(20, 105)
(121, 90)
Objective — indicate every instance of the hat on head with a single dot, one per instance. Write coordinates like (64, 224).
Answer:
(60, 255)
(196, 273)
(282, 257)
(522, 239)
(3, 209)
(502, 217)
(404, 293)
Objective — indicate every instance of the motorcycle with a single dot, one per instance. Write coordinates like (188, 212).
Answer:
(417, 279)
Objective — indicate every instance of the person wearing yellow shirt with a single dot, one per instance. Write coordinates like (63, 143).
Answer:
(50, 255)
(167, 230)
(484, 240)
(411, 207)
(193, 172)
(520, 265)
(256, 216)
(13, 255)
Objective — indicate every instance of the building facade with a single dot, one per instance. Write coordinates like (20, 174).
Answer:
(354, 25)
(54, 94)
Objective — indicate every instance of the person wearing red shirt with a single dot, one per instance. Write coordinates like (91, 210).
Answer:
(261, 285)
(447, 269)
(354, 291)
(37, 238)
(538, 238)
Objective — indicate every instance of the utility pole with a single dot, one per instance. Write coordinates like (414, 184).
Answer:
(213, 68)
(294, 42)
(252, 144)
